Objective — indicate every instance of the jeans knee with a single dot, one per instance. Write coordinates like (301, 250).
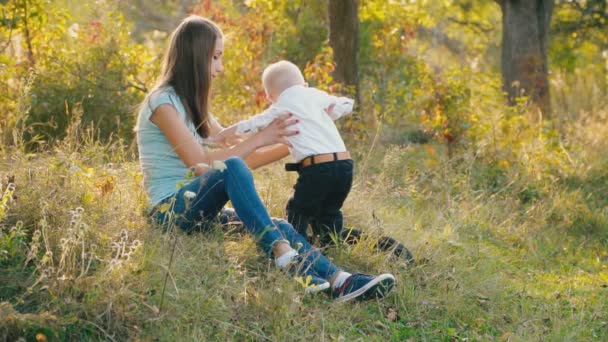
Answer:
(236, 163)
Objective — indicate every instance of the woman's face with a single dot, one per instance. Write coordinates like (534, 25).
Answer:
(216, 66)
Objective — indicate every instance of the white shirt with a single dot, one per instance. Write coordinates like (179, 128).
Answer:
(318, 133)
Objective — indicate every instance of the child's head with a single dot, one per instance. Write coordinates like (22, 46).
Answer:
(279, 76)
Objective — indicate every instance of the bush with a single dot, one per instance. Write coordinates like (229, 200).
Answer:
(93, 69)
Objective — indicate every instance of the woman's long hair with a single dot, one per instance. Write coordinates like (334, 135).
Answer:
(186, 67)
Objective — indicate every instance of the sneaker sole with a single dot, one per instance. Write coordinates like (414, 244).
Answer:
(377, 288)
(317, 288)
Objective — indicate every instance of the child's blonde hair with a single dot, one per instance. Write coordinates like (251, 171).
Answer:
(280, 76)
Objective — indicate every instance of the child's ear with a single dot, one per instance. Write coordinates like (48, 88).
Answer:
(269, 98)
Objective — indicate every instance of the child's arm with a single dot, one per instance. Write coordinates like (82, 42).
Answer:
(227, 136)
(219, 136)
(257, 122)
(337, 107)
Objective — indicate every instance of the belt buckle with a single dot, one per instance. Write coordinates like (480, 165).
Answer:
(293, 167)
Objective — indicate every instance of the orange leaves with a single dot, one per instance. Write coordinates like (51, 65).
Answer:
(105, 185)
(447, 113)
(260, 98)
(319, 70)
(95, 31)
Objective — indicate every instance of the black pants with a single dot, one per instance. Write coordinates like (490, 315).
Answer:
(318, 197)
(317, 200)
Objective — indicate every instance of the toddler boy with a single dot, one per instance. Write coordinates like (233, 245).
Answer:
(324, 166)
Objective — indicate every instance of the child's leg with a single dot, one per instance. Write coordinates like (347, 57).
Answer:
(309, 191)
(329, 222)
(298, 220)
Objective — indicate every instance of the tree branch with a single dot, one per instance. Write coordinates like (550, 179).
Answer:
(478, 25)
(456, 46)
(10, 32)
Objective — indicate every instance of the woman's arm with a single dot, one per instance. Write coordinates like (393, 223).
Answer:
(192, 153)
(214, 126)
(219, 136)
(226, 137)
(267, 155)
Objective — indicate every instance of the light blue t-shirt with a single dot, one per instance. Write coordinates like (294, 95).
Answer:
(162, 168)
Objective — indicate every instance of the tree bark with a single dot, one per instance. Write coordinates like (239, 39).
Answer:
(344, 40)
(28, 37)
(524, 50)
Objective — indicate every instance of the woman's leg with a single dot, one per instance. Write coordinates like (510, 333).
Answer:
(319, 263)
(193, 213)
(344, 286)
(211, 192)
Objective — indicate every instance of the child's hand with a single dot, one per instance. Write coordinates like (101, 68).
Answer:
(339, 106)
(330, 109)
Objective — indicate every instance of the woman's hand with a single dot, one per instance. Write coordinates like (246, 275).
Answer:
(220, 141)
(278, 131)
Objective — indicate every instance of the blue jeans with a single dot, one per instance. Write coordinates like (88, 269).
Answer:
(213, 190)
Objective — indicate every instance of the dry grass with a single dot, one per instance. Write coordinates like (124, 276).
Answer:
(511, 251)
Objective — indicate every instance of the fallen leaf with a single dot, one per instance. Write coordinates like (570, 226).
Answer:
(380, 325)
(392, 315)
(482, 298)
(505, 336)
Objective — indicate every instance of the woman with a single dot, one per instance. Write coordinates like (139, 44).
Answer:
(172, 128)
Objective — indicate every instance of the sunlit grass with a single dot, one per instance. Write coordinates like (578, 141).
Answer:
(501, 254)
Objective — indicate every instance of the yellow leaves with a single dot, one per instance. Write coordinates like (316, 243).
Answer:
(372, 10)
(503, 164)
(378, 43)
(319, 70)
(267, 4)
(164, 208)
(431, 163)
(304, 281)
(87, 197)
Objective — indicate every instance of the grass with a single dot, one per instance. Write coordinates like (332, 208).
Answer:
(507, 249)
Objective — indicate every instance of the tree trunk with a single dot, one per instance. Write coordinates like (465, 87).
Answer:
(28, 37)
(524, 50)
(344, 40)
